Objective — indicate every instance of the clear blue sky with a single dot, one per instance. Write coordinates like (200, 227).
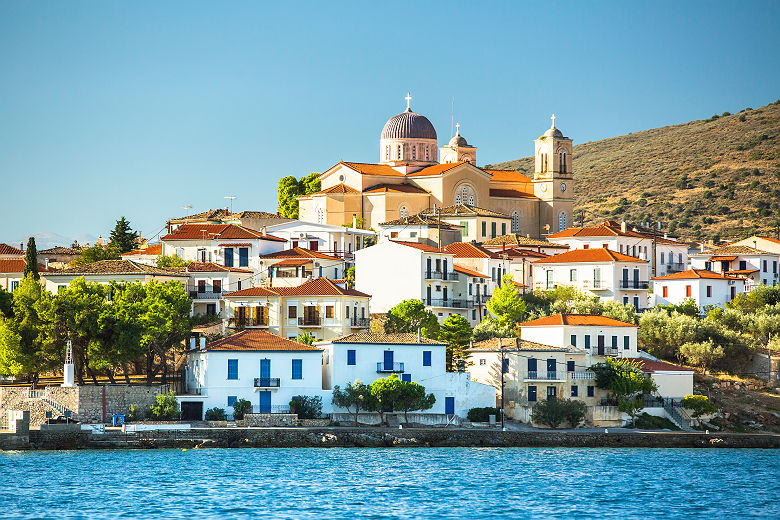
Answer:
(137, 108)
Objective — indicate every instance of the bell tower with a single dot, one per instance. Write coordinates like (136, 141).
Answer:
(458, 150)
(553, 181)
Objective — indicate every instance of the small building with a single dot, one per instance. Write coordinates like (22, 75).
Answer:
(209, 283)
(292, 267)
(335, 241)
(12, 272)
(58, 257)
(757, 266)
(475, 223)
(425, 229)
(10, 252)
(706, 288)
(525, 243)
(595, 334)
(674, 382)
(263, 368)
(107, 271)
(146, 255)
(255, 220)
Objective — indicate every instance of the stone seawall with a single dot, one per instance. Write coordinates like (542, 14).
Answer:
(384, 437)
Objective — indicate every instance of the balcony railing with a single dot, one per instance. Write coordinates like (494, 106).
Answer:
(384, 368)
(634, 284)
(310, 321)
(266, 382)
(208, 295)
(346, 255)
(441, 275)
(292, 274)
(581, 375)
(361, 323)
(676, 267)
(544, 375)
(246, 322)
(452, 304)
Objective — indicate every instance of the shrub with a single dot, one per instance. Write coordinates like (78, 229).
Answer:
(698, 405)
(743, 118)
(135, 413)
(650, 422)
(481, 414)
(554, 412)
(240, 408)
(215, 414)
(307, 407)
(166, 408)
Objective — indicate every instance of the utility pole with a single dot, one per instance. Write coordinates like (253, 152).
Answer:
(501, 349)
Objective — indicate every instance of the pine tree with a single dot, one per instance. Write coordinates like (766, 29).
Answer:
(32, 259)
(122, 237)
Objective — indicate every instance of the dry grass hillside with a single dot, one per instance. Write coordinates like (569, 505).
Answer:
(707, 179)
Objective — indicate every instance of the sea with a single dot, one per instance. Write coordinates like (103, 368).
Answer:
(415, 483)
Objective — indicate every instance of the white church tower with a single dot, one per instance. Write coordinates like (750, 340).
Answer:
(553, 181)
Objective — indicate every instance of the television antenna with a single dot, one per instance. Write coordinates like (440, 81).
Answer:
(232, 198)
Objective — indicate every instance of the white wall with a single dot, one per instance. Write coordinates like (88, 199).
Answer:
(560, 336)
(390, 273)
(677, 293)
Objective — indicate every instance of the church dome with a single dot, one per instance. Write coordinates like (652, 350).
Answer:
(553, 132)
(458, 140)
(408, 125)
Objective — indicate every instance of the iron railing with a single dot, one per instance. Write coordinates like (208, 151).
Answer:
(544, 375)
(581, 375)
(208, 295)
(634, 284)
(450, 303)
(247, 322)
(361, 323)
(441, 275)
(309, 321)
(383, 367)
(266, 382)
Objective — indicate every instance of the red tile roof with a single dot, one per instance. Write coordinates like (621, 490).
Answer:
(599, 254)
(154, 250)
(469, 250)
(253, 340)
(511, 194)
(576, 319)
(299, 252)
(372, 169)
(515, 239)
(394, 188)
(416, 245)
(650, 365)
(338, 188)
(610, 228)
(776, 241)
(17, 265)
(436, 169)
(211, 267)
(293, 262)
(507, 176)
(469, 272)
(253, 291)
(5, 249)
(217, 232)
(692, 274)
(116, 267)
(313, 287)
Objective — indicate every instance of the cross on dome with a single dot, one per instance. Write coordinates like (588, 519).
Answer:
(553, 120)
(457, 128)
(408, 99)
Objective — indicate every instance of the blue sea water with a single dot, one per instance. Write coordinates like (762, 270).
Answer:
(495, 483)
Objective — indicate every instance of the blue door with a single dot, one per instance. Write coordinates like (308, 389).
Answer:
(243, 256)
(265, 402)
(388, 364)
(449, 405)
(228, 257)
(265, 372)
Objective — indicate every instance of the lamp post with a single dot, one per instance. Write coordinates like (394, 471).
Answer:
(501, 350)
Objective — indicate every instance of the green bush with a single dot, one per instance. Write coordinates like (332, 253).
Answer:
(698, 405)
(307, 407)
(646, 421)
(241, 408)
(215, 414)
(481, 414)
(135, 413)
(554, 412)
(166, 408)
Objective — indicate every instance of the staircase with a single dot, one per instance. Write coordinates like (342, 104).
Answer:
(43, 395)
(674, 415)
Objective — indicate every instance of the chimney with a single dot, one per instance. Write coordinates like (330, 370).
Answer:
(701, 247)
(226, 212)
(354, 221)
(21, 246)
(263, 230)
(499, 345)
(100, 240)
(623, 226)
(419, 335)
(203, 342)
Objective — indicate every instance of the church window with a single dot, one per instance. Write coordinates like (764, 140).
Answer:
(562, 161)
(515, 222)
(399, 152)
(320, 216)
(414, 151)
(427, 152)
(387, 152)
(562, 221)
(403, 211)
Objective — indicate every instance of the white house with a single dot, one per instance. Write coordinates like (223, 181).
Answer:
(524, 243)
(605, 273)
(707, 288)
(12, 272)
(209, 283)
(420, 228)
(368, 357)
(475, 223)
(337, 241)
(263, 368)
(224, 244)
(107, 271)
(664, 254)
(148, 255)
(762, 243)
(294, 266)
(757, 266)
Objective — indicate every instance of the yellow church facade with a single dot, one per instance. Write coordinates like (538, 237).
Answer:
(410, 178)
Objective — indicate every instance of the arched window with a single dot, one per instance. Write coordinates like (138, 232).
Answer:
(387, 152)
(403, 211)
(399, 153)
(414, 151)
(427, 153)
(562, 221)
(465, 194)
(562, 162)
(515, 222)
(320, 216)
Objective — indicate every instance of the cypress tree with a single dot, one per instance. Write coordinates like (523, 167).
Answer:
(32, 259)
(122, 237)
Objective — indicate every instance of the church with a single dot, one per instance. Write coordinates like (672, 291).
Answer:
(414, 175)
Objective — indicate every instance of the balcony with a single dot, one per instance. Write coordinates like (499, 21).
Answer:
(441, 275)
(266, 382)
(292, 274)
(449, 304)
(595, 285)
(573, 376)
(389, 368)
(538, 375)
(360, 323)
(208, 295)
(310, 321)
(634, 284)
(676, 267)
(246, 322)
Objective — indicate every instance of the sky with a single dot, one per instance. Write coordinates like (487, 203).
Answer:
(136, 109)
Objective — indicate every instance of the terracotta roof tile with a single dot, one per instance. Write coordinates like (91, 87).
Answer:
(394, 188)
(507, 176)
(650, 365)
(373, 169)
(416, 245)
(299, 252)
(154, 249)
(511, 193)
(610, 228)
(211, 267)
(14, 265)
(398, 338)
(469, 272)
(469, 250)
(464, 210)
(599, 254)
(732, 250)
(515, 344)
(420, 220)
(436, 169)
(515, 239)
(116, 267)
(313, 287)
(60, 250)
(293, 262)
(217, 232)
(338, 188)
(576, 319)
(5, 249)
(252, 291)
(692, 274)
(256, 340)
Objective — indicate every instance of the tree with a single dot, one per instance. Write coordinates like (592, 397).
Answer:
(170, 261)
(703, 354)
(166, 408)
(306, 406)
(412, 316)
(355, 395)
(505, 303)
(688, 307)
(6, 304)
(385, 391)
(456, 332)
(351, 277)
(626, 382)
(699, 405)
(240, 408)
(96, 253)
(490, 327)
(122, 237)
(31, 259)
(307, 338)
(411, 396)
(554, 412)
(289, 188)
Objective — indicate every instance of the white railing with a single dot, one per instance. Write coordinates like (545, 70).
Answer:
(43, 395)
(582, 375)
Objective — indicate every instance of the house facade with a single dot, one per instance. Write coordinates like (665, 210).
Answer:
(706, 288)
(420, 228)
(758, 267)
(209, 283)
(108, 271)
(335, 241)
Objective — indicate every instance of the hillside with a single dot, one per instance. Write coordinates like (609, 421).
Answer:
(711, 178)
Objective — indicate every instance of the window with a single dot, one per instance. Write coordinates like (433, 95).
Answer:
(216, 286)
(232, 369)
(605, 246)
(492, 230)
(387, 152)
(597, 278)
(591, 391)
(228, 257)
(484, 228)
(351, 357)
(709, 291)
(426, 358)
(515, 222)
(297, 369)
(493, 274)
(572, 275)
(243, 257)
(636, 302)
(743, 265)
(231, 400)
(626, 342)
(398, 156)
(483, 361)
(505, 366)
(532, 394)
(562, 162)
(570, 366)
(471, 289)
(394, 234)
(414, 151)
(562, 221)
(503, 232)
(574, 390)
(614, 342)
(465, 226)
(465, 195)
(406, 378)
(765, 264)
(473, 314)
(662, 258)
(346, 311)
(573, 340)
(587, 341)
(665, 291)
(292, 311)
(403, 212)
(427, 153)
(201, 286)
(687, 291)
(329, 311)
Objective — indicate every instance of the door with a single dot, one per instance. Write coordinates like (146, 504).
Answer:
(444, 270)
(636, 279)
(228, 257)
(388, 361)
(625, 278)
(532, 368)
(449, 405)
(551, 369)
(192, 411)
(551, 392)
(243, 256)
(428, 295)
(601, 345)
(428, 268)
(265, 372)
(265, 402)
(444, 296)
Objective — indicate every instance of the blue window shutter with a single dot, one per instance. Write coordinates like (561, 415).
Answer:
(426, 358)
(232, 369)
(297, 369)
(587, 341)
(570, 366)
(232, 400)
(614, 342)
(350, 357)
(406, 377)
(243, 256)
(573, 340)
(228, 257)
(591, 391)
(626, 341)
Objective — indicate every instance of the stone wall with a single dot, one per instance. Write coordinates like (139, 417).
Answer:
(269, 419)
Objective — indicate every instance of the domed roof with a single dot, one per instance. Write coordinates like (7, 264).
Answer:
(553, 132)
(458, 140)
(408, 125)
